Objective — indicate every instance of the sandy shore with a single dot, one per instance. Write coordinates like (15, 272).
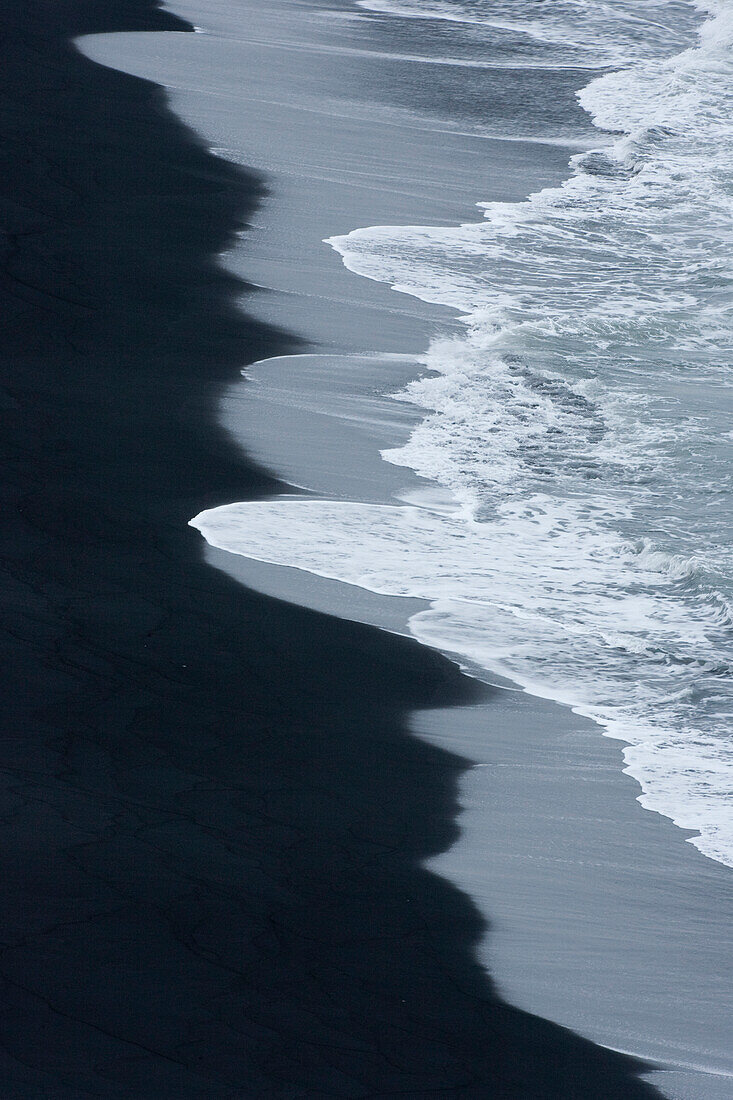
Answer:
(601, 917)
(216, 815)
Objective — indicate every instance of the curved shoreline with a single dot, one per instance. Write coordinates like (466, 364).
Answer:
(215, 814)
(557, 946)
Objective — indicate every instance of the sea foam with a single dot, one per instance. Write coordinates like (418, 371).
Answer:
(581, 421)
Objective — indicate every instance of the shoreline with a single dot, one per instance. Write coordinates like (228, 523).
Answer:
(602, 762)
(215, 815)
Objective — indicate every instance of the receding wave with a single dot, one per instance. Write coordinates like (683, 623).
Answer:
(610, 33)
(581, 421)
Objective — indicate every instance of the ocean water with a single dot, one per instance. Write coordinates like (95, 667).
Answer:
(581, 418)
(558, 33)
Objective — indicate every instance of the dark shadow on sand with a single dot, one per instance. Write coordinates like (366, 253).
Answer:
(213, 817)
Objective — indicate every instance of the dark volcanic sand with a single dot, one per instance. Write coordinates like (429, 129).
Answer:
(213, 817)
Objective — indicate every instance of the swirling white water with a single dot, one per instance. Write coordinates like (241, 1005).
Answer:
(582, 420)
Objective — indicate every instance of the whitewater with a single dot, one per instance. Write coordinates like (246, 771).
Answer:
(581, 418)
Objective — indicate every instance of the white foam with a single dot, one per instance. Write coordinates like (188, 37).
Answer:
(498, 601)
(610, 33)
(581, 425)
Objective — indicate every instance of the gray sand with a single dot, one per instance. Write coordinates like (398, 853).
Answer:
(299, 414)
(601, 916)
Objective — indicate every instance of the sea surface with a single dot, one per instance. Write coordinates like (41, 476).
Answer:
(578, 419)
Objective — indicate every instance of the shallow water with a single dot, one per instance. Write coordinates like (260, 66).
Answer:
(582, 419)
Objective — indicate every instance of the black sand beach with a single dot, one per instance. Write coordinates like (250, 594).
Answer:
(214, 814)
